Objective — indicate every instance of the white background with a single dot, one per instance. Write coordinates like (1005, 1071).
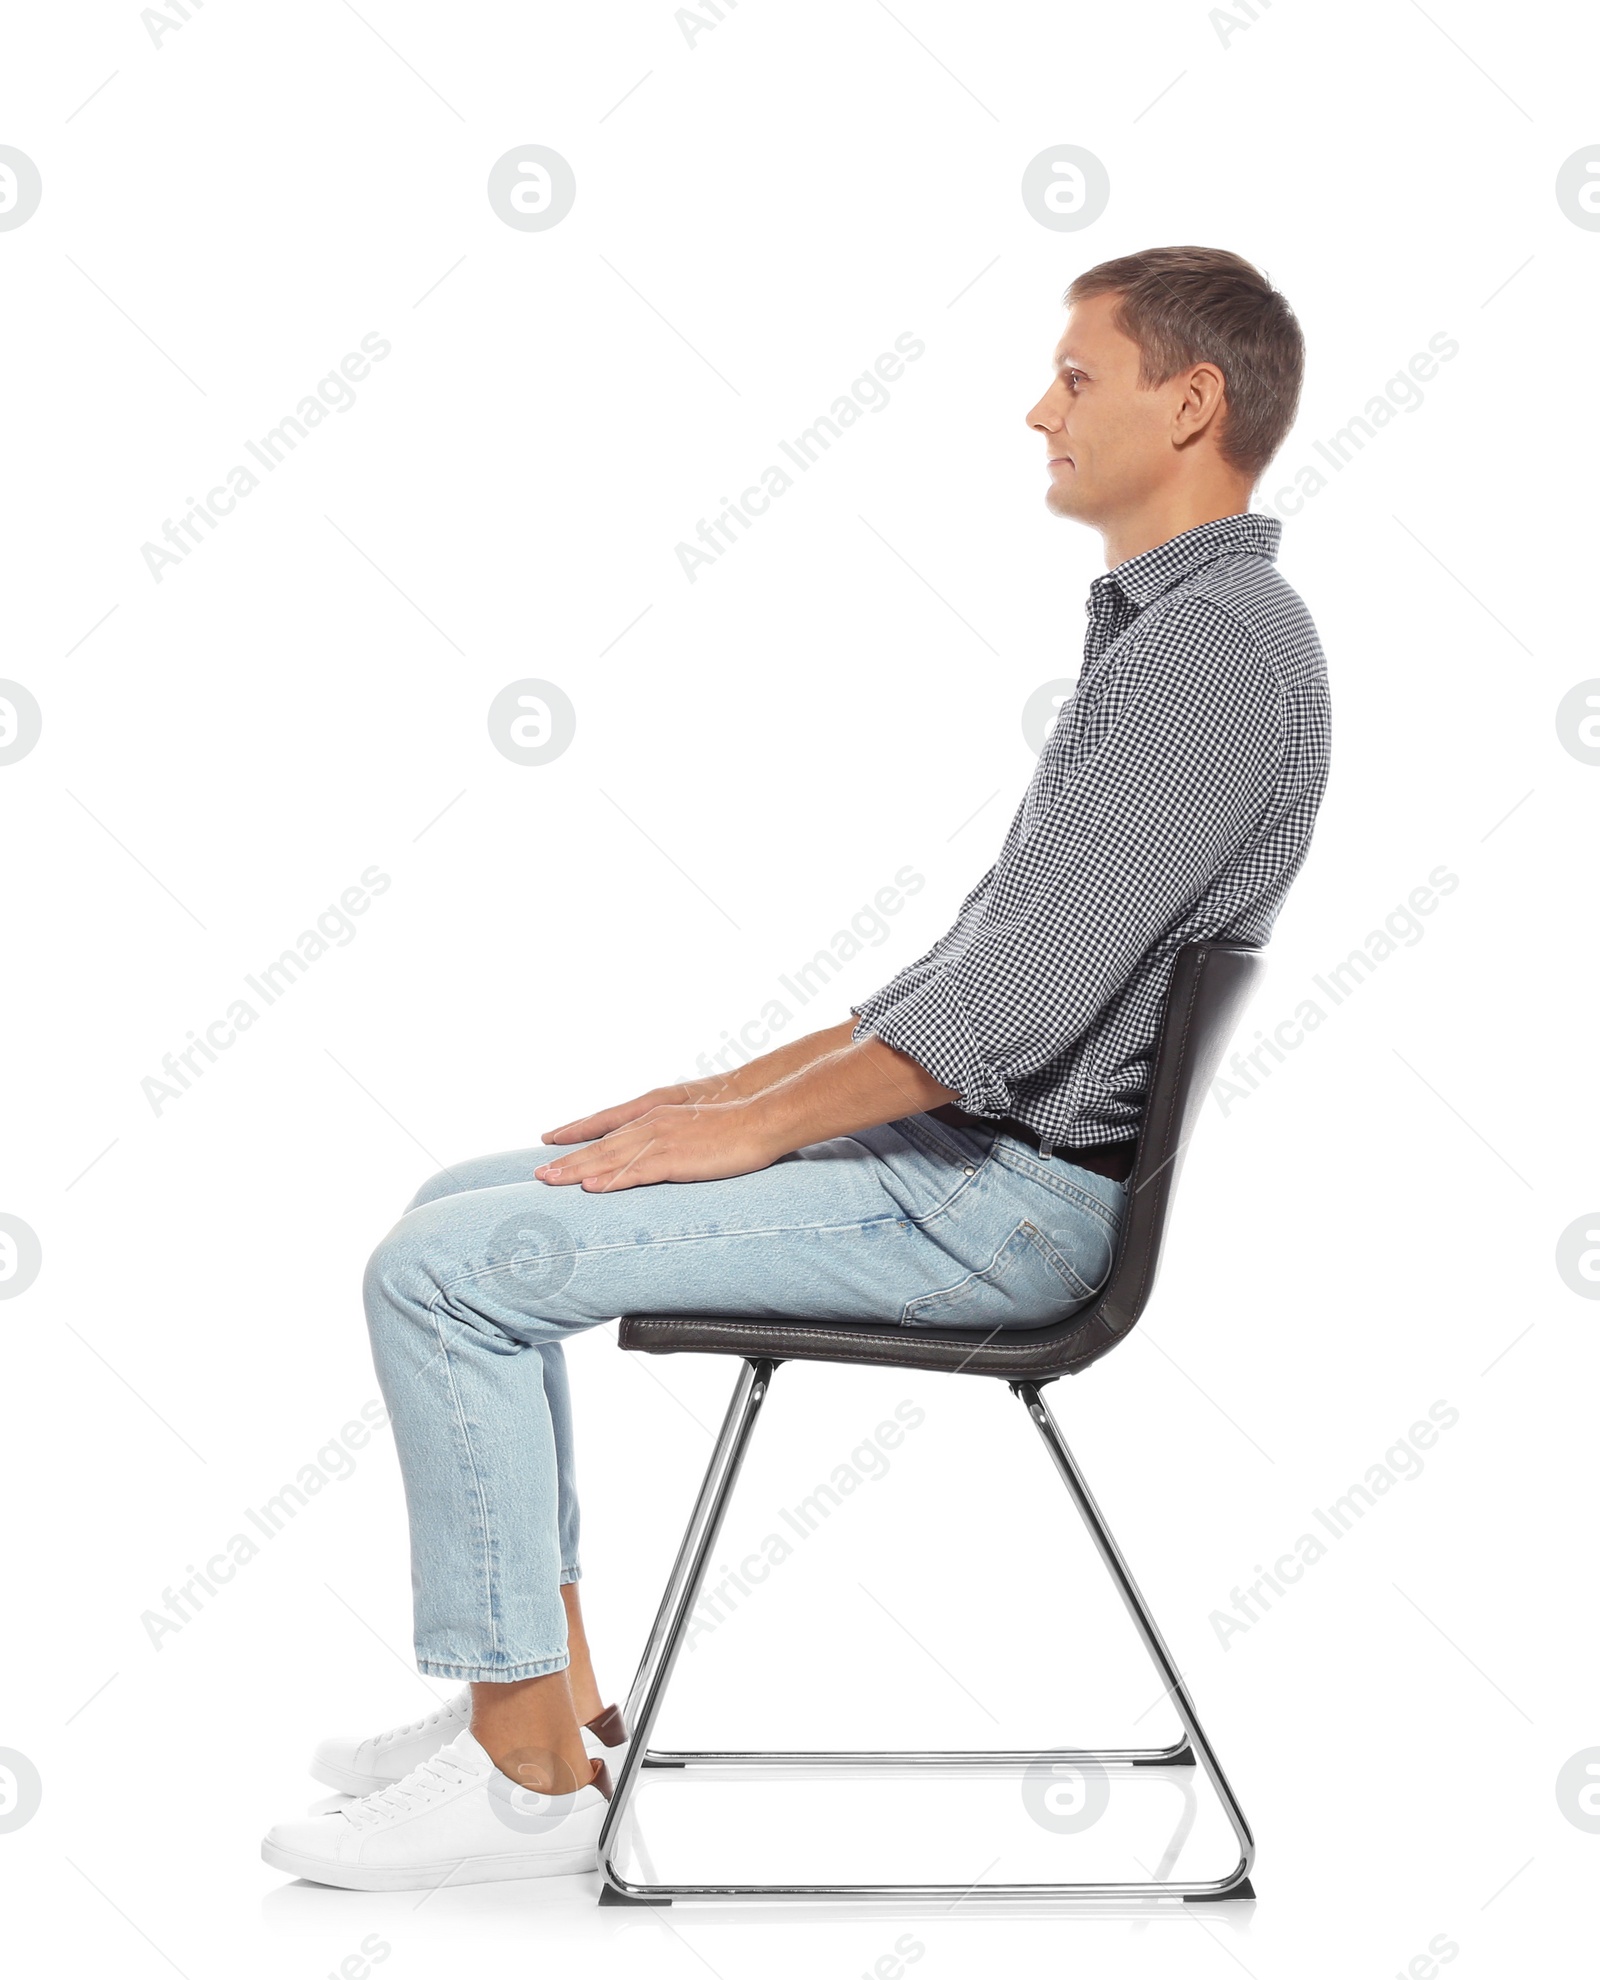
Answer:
(759, 214)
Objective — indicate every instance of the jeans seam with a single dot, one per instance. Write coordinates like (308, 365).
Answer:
(1068, 1272)
(579, 1252)
(945, 1296)
(494, 1674)
(477, 1479)
(1059, 1186)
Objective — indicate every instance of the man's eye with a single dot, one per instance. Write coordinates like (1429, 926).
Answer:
(1072, 378)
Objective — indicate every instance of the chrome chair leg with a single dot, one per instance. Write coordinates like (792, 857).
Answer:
(1238, 1884)
(683, 1591)
(666, 1637)
(712, 1495)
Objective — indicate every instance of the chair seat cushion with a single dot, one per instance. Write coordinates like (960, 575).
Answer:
(1014, 1353)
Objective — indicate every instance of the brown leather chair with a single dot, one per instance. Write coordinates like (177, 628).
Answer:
(1210, 984)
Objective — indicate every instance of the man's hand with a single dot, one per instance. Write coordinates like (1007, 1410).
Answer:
(701, 1141)
(593, 1125)
(857, 1085)
(742, 1083)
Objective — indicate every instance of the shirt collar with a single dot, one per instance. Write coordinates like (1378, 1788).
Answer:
(1145, 577)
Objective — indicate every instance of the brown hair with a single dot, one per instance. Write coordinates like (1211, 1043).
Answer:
(1185, 305)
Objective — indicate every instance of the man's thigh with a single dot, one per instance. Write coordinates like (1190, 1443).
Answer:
(839, 1228)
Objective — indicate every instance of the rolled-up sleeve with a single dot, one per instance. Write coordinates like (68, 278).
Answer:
(1183, 764)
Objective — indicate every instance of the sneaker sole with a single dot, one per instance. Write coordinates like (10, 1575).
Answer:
(428, 1876)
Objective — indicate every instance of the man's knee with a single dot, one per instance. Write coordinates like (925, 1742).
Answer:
(395, 1284)
(443, 1266)
(443, 1184)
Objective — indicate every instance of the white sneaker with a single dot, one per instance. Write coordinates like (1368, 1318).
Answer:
(455, 1819)
(363, 1766)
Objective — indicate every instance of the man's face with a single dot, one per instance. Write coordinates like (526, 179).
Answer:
(1108, 443)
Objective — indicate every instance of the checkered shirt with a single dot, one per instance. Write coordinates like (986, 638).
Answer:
(1173, 802)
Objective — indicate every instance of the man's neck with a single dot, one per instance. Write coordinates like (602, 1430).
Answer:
(1157, 523)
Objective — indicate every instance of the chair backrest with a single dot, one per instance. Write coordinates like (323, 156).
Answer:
(1211, 983)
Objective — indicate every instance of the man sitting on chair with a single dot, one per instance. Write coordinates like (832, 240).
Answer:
(953, 1154)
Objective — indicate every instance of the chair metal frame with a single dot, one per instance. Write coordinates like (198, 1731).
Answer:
(666, 1640)
(1209, 985)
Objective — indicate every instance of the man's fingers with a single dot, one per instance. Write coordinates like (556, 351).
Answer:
(605, 1176)
(597, 1159)
(629, 1176)
(616, 1161)
(592, 1126)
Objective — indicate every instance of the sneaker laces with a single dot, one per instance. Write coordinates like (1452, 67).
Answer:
(451, 1708)
(435, 1776)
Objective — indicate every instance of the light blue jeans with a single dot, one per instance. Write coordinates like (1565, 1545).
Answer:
(471, 1295)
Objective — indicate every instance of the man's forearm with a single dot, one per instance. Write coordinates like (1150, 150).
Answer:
(784, 1060)
(856, 1086)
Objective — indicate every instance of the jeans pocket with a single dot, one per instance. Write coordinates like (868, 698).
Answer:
(1026, 1284)
(1082, 1248)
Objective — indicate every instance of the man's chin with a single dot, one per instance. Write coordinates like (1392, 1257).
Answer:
(1064, 498)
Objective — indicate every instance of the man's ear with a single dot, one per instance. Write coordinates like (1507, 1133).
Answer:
(1203, 404)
